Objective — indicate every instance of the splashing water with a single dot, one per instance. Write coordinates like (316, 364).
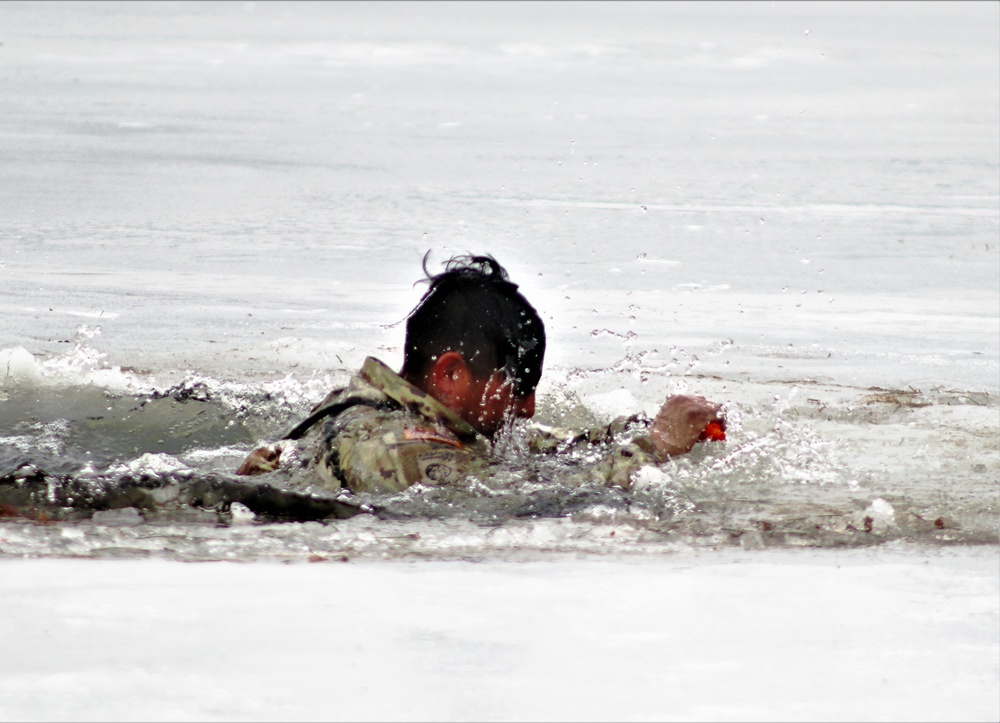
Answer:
(130, 462)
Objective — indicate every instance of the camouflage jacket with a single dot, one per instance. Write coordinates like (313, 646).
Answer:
(393, 435)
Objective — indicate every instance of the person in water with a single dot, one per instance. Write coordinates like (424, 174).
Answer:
(472, 361)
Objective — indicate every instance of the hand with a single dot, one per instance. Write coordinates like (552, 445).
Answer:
(681, 422)
(261, 461)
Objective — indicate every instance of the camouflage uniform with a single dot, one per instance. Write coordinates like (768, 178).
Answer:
(396, 435)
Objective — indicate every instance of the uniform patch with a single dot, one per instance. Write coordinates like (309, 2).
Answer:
(441, 466)
(423, 434)
(438, 472)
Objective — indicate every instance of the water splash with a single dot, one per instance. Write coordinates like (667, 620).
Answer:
(72, 450)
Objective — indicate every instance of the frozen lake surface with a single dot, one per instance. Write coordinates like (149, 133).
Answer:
(765, 636)
(211, 213)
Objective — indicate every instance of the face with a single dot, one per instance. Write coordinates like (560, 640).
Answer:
(492, 402)
(485, 402)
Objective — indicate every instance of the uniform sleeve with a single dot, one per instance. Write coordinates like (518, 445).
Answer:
(369, 451)
(628, 448)
(619, 466)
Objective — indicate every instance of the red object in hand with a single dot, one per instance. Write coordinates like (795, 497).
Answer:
(714, 432)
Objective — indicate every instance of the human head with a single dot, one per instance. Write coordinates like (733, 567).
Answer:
(475, 343)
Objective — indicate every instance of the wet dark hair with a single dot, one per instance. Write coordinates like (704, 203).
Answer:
(473, 308)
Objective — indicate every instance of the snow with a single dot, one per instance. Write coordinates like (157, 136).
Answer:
(770, 635)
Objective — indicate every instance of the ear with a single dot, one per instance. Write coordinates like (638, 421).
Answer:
(450, 380)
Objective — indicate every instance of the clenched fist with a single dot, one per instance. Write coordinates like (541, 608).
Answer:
(681, 422)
